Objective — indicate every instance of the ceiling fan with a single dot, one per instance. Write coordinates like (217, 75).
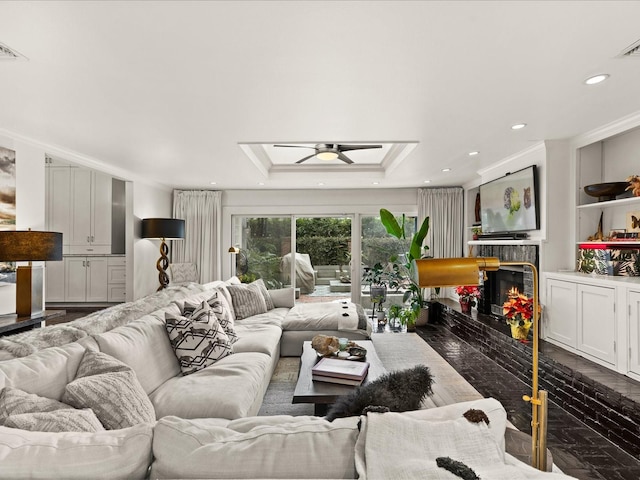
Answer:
(331, 151)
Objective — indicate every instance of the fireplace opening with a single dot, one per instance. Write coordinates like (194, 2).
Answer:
(499, 283)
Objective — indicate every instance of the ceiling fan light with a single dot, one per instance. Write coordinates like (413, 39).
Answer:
(327, 155)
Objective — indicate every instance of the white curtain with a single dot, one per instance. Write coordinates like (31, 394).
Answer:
(201, 211)
(444, 207)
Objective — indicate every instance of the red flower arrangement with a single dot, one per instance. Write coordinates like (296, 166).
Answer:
(468, 293)
(518, 309)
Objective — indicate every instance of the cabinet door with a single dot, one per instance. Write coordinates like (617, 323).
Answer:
(75, 279)
(101, 194)
(58, 208)
(81, 207)
(54, 283)
(634, 332)
(97, 290)
(561, 312)
(597, 322)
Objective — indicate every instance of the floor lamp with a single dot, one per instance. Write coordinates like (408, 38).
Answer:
(450, 272)
(164, 229)
(29, 246)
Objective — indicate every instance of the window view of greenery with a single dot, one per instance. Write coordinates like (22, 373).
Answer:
(378, 247)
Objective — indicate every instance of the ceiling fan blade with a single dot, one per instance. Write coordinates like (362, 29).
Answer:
(294, 146)
(346, 148)
(306, 158)
(344, 158)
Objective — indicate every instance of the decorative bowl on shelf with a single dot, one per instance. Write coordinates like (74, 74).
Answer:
(606, 191)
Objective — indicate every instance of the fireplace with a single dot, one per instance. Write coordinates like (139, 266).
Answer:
(497, 284)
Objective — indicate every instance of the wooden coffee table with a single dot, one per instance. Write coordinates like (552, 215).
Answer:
(323, 394)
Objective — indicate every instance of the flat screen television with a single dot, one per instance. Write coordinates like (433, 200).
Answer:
(509, 204)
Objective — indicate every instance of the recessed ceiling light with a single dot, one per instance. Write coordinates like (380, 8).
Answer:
(260, 183)
(213, 183)
(321, 184)
(427, 181)
(474, 153)
(596, 79)
(446, 169)
(376, 183)
(518, 126)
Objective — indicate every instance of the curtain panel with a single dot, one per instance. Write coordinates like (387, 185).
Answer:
(444, 207)
(201, 211)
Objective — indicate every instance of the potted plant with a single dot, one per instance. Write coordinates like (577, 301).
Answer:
(518, 310)
(414, 294)
(467, 296)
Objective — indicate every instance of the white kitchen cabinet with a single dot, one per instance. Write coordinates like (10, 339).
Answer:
(58, 195)
(90, 225)
(634, 333)
(597, 322)
(54, 281)
(116, 279)
(561, 312)
(86, 279)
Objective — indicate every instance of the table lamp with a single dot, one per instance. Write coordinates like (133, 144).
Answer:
(164, 229)
(450, 272)
(29, 246)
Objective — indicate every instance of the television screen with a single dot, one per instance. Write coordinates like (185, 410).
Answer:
(510, 203)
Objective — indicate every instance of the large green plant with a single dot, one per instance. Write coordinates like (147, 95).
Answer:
(416, 248)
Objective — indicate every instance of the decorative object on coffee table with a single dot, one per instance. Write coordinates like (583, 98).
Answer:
(164, 229)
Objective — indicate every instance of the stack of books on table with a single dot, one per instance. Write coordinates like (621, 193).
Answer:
(345, 372)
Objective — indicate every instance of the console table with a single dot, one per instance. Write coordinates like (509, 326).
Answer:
(12, 323)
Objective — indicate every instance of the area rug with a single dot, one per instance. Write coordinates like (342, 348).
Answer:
(397, 351)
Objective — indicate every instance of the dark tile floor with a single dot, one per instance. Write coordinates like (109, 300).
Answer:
(577, 449)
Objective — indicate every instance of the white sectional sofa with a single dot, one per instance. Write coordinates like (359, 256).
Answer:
(205, 421)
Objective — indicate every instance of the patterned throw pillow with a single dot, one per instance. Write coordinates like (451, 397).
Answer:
(111, 389)
(66, 420)
(220, 308)
(16, 402)
(198, 341)
(247, 300)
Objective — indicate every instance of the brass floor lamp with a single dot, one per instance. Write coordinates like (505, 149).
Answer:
(450, 272)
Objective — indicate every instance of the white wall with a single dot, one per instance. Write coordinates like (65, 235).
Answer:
(30, 198)
(148, 202)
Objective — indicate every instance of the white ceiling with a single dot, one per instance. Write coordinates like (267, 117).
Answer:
(170, 91)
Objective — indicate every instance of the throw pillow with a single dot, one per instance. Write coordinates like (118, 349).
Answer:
(283, 297)
(265, 293)
(247, 300)
(218, 306)
(197, 344)
(111, 389)
(66, 420)
(16, 402)
(117, 398)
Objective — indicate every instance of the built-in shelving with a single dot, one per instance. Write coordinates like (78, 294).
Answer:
(504, 242)
(611, 203)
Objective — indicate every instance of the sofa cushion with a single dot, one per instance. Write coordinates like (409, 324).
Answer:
(66, 420)
(259, 338)
(227, 389)
(199, 341)
(283, 297)
(247, 300)
(45, 373)
(144, 346)
(14, 401)
(113, 454)
(269, 447)
(113, 393)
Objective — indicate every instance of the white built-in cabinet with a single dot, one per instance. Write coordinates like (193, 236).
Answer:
(634, 333)
(79, 205)
(85, 279)
(595, 317)
(90, 224)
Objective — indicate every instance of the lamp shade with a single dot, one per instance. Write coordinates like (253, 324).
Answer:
(162, 228)
(30, 245)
